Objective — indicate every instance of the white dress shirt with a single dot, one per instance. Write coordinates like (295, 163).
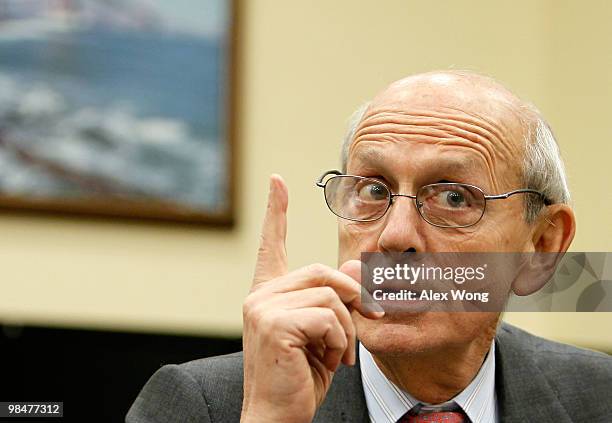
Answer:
(386, 402)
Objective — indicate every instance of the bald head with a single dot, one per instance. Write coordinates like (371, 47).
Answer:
(461, 91)
(459, 88)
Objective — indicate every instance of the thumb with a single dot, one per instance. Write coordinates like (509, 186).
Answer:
(272, 254)
(352, 268)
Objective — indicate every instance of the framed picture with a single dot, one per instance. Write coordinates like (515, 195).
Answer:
(118, 108)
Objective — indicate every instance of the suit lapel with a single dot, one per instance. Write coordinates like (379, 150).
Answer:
(523, 393)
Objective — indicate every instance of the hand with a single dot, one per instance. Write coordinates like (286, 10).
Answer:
(297, 326)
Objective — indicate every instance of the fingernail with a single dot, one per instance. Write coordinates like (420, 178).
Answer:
(373, 306)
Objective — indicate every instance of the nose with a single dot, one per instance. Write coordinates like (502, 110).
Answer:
(403, 228)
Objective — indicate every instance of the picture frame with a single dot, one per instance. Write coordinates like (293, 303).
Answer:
(122, 109)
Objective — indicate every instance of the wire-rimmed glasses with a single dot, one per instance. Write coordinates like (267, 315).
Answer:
(443, 204)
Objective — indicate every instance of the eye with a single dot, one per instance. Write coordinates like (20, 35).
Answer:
(449, 196)
(372, 191)
(454, 198)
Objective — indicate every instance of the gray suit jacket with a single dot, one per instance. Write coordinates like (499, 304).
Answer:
(536, 381)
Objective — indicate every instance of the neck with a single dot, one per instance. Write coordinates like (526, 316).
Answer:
(437, 376)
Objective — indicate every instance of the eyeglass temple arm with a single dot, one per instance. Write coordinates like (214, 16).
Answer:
(519, 191)
(320, 183)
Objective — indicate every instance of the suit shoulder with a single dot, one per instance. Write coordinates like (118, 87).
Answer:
(227, 362)
(553, 354)
(209, 371)
(580, 378)
(205, 390)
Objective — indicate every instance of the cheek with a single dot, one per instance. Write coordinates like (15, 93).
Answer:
(489, 237)
(507, 233)
(498, 231)
(354, 238)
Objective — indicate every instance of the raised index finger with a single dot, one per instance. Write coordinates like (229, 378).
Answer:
(272, 255)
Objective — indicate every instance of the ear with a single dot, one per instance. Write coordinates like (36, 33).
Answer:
(555, 229)
(552, 236)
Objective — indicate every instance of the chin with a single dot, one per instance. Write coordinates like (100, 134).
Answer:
(415, 333)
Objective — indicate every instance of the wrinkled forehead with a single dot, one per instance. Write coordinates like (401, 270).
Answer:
(471, 94)
(444, 110)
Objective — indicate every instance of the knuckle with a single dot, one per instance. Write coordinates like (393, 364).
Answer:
(248, 315)
(260, 318)
(327, 328)
(329, 293)
(329, 316)
(318, 270)
(250, 308)
(350, 331)
(269, 323)
(247, 307)
(249, 300)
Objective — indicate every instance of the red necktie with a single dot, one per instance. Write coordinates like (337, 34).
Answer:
(435, 417)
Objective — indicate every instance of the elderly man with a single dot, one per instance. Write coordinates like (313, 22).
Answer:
(313, 352)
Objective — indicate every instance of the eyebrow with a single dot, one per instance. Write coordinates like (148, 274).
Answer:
(368, 155)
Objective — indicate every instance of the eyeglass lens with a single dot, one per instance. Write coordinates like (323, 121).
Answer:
(367, 199)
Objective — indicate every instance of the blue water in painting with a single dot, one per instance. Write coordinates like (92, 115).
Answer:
(136, 78)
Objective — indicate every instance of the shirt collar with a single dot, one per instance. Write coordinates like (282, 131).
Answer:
(386, 402)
